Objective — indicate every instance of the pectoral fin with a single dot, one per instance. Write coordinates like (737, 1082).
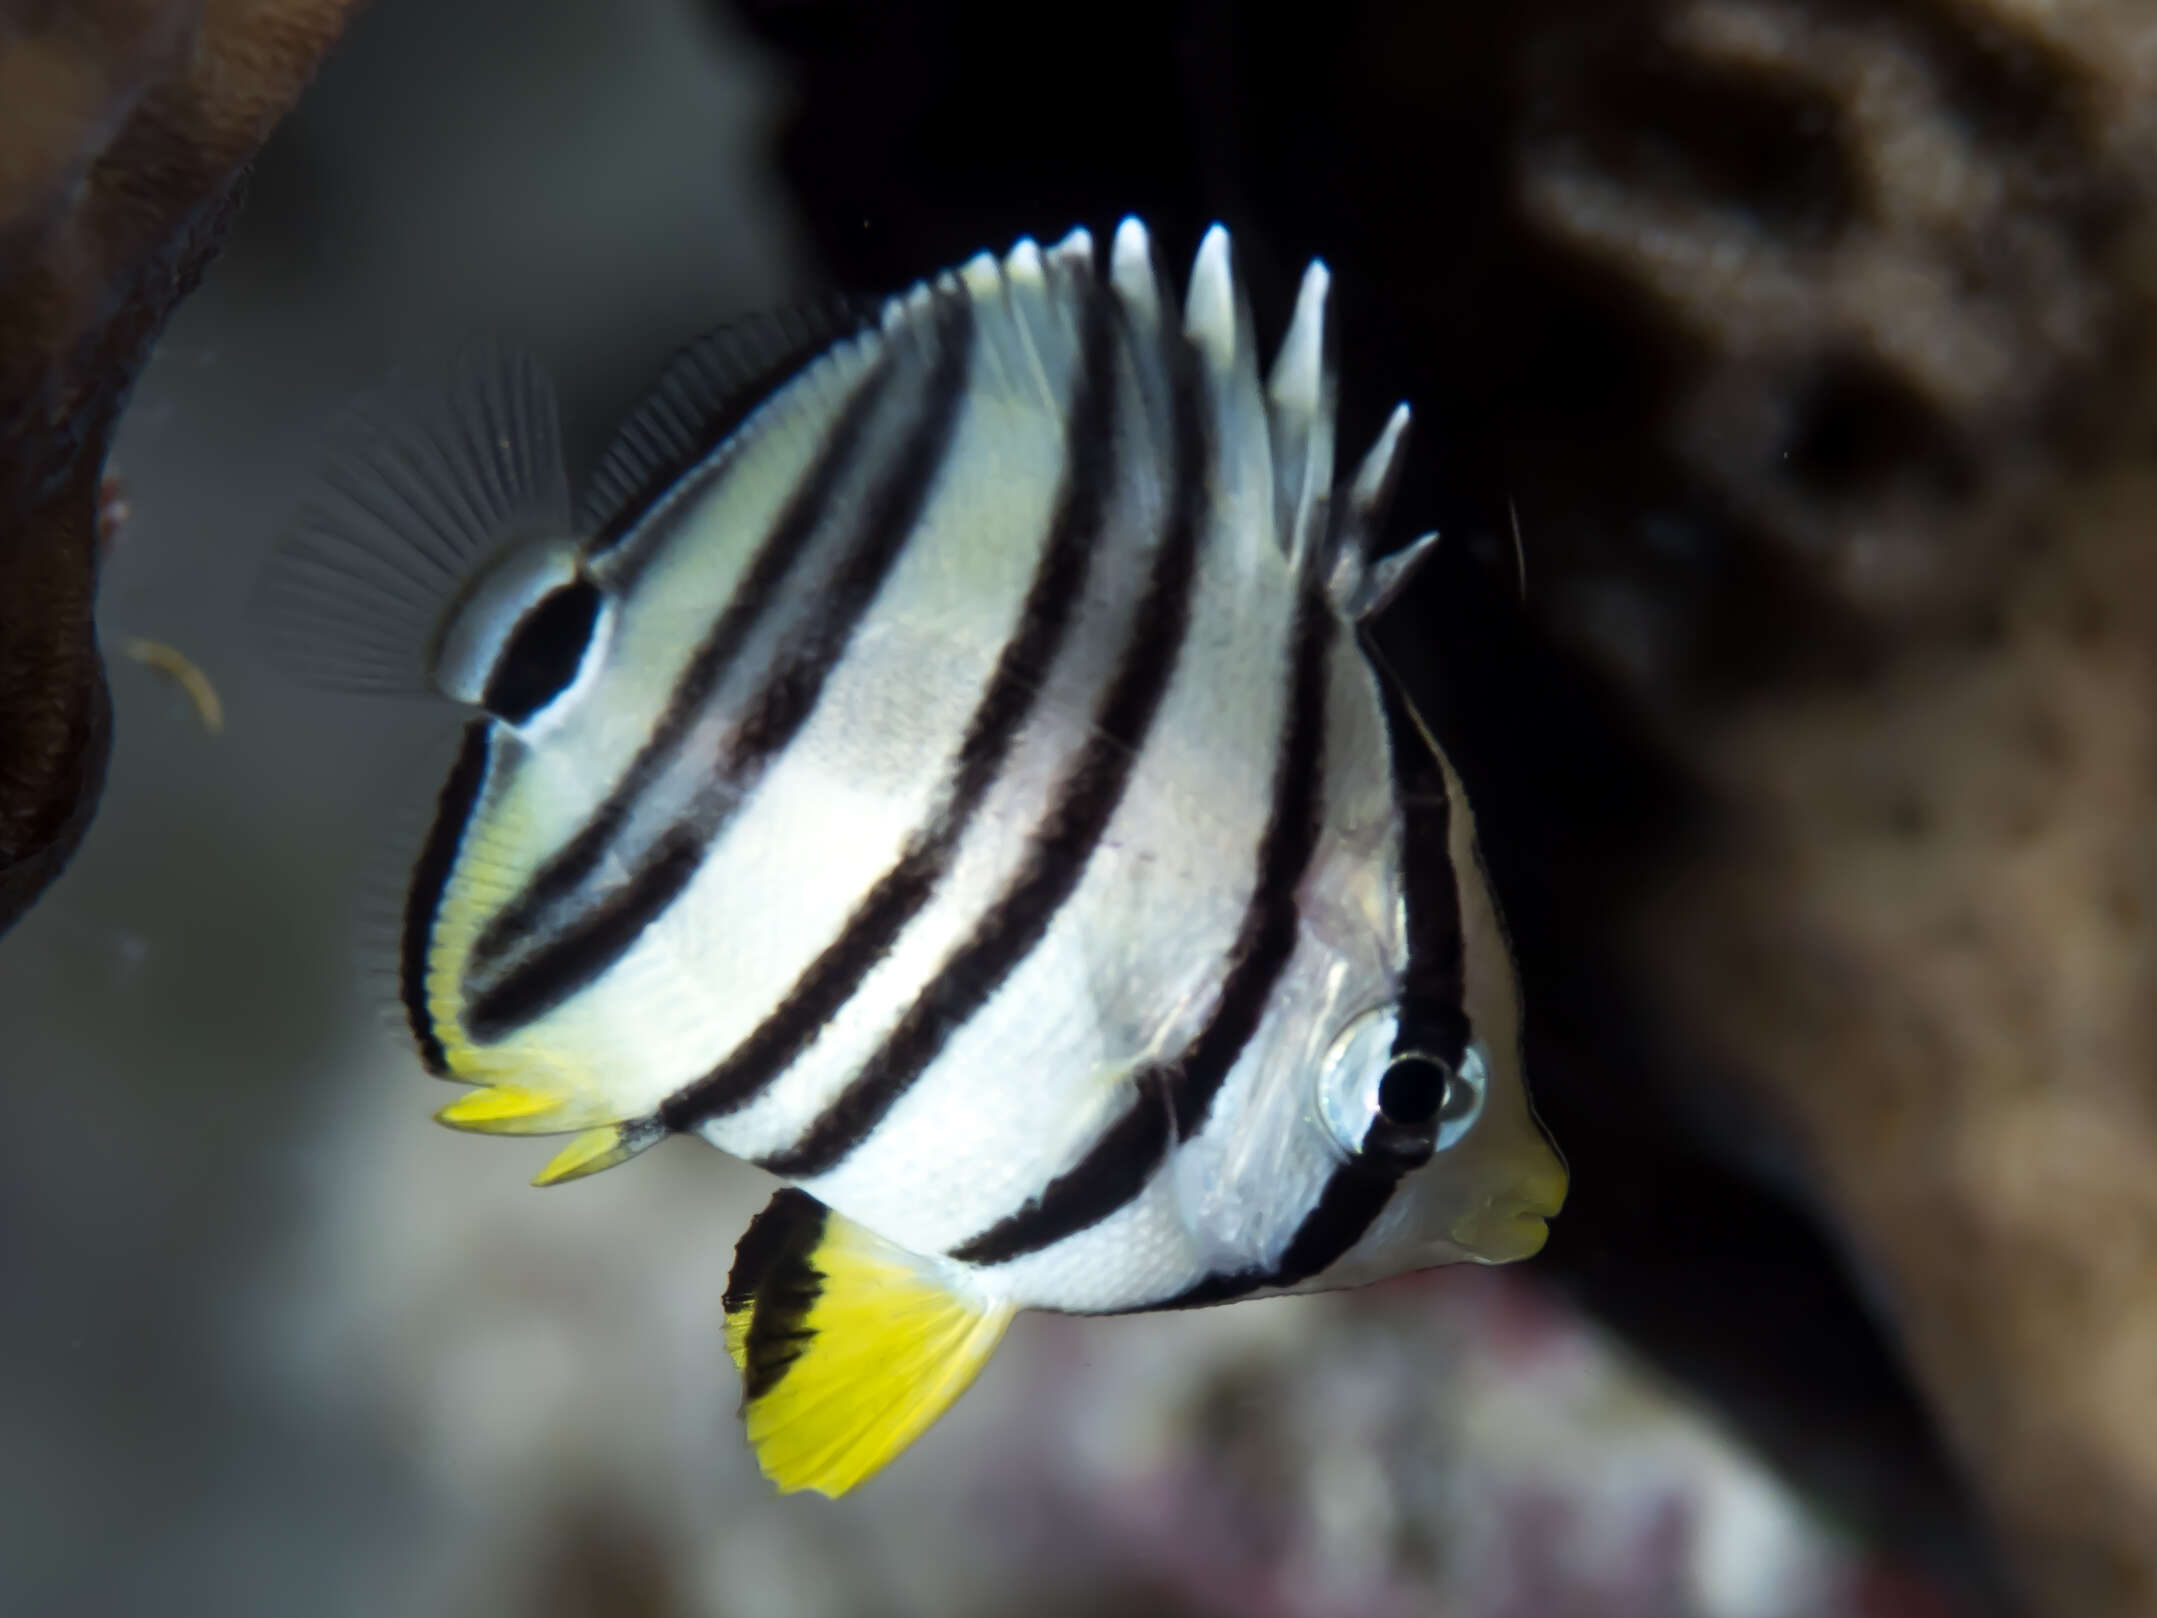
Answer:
(849, 1346)
(597, 1149)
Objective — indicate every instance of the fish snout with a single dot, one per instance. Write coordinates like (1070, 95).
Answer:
(1514, 1222)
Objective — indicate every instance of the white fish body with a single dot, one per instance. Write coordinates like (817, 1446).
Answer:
(959, 785)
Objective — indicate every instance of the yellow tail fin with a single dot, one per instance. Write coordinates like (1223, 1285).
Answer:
(849, 1346)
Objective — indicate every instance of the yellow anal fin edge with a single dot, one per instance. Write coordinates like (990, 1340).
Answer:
(849, 1346)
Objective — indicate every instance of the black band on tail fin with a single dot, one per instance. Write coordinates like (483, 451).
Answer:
(775, 1283)
(849, 1347)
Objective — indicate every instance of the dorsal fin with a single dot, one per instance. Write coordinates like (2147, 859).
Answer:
(849, 1346)
(1362, 586)
(708, 389)
(1299, 413)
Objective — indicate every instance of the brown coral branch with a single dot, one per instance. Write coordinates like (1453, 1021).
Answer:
(124, 128)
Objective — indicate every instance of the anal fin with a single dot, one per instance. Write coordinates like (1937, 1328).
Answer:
(849, 1346)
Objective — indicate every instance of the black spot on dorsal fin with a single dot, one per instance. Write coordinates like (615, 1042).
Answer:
(543, 653)
(774, 1279)
(706, 391)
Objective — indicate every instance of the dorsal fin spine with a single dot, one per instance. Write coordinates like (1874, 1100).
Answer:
(1217, 323)
(1362, 587)
(1132, 273)
(1209, 306)
(1300, 415)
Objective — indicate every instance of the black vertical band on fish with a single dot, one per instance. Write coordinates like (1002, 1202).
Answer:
(1181, 1092)
(430, 879)
(1432, 1015)
(1268, 935)
(1353, 1198)
(1111, 1174)
(708, 390)
(586, 949)
(784, 548)
(1433, 1018)
(1051, 606)
(1355, 1195)
(1061, 846)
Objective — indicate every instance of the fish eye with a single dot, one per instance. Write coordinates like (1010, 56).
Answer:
(1393, 1105)
(1415, 1088)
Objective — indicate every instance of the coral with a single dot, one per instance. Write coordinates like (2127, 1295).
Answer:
(124, 128)
(1924, 937)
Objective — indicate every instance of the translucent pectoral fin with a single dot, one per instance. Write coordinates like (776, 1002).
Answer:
(597, 1149)
(849, 1346)
(433, 487)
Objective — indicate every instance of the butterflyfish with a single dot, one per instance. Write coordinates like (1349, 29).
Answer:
(944, 763)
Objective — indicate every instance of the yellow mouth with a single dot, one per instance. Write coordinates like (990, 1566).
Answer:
(1503, 1240)
(1542, 1191)
(1515, 1224)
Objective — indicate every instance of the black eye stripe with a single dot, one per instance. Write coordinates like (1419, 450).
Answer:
(1434, 1029)
(543, 653)
(1433, 1017)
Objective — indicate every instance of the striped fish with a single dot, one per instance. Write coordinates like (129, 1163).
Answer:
(942, 764)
